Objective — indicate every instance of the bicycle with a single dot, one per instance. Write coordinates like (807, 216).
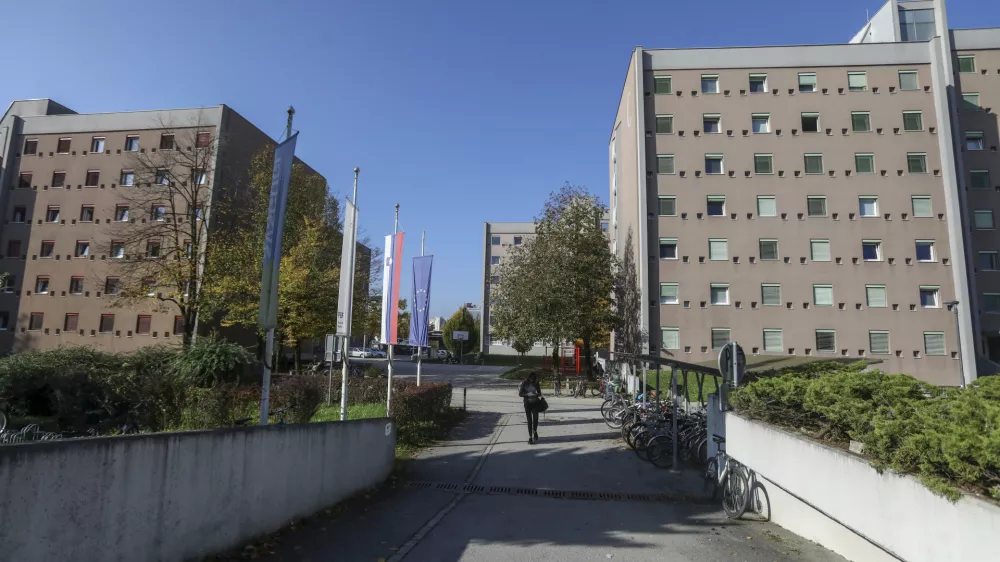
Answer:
(727, 473)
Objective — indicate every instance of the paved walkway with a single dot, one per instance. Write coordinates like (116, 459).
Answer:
(486, 495)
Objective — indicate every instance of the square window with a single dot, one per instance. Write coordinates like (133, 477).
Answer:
(158, 213)
(143, 324)
(58, 179)
(149, 286)
(9, 283)
(974, 140)
(857, 81)
(188, 249)
(42, 285)
(664, 163)
(718, 249)
(48, 249)
(823, 295)
(929, 296)
(711, 123)
(128, 178)
(709, 84)
(495, 241)
(875, 296)
(153, 249)
(669, 293)
(35, 321)
(871, 250)
(878, 342)
(719, 294)
(668, 248)
(763, 164)
(868, 206)
(713, 164)
(814, 163)
(670, 338)
(82, 248)
(861, 121)
(922, 206)
(970, 102)
(71, 322)
(107, 324)
(908, 80)
(495, 280)
(662, 85)
(87, 213)
(810, 122)
(716, 206)
(494, 260)
(93, 178)
(991, 303)
(979, 179)
(31, 147)
(864, 163)
(166, 142)
(112, 285)
(819, 250)
(984, 219)
(989, 261)
(196, 213)
(761, 122)
(767, 206)
(52, 214)
(665, 124)
(768, 249)
(117, 249)
(203, 140)
(97, 145)
(826, 341)
(121, 213)
(720, 338)
(807, 81)
(132, 143)
(770, 294)
(199, 177)
(772, 341)
(518, 239)
(916, 162)
(925, 250)
(913, 121)
(758, 83)
(24, 180)
(20, 214)
(62, 147)
(13, 248)
(162, 177)
(934, 343)
(667, 206)
(76, 285)
(966, 63)
(816, 205)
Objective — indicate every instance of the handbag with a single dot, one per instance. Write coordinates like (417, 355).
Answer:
(542, 404)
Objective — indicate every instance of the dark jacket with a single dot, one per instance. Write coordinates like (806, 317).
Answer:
(528, 386)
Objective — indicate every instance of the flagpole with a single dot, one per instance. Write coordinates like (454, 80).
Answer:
(345, 348)
(388, 329)
(420, 349)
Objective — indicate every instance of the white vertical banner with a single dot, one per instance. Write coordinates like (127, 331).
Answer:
(345, 303)
(284, 157)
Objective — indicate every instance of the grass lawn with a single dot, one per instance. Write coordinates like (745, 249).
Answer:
(354, 412)
(410, 437)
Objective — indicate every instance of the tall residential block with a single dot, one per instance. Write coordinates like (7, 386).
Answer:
(823, 201)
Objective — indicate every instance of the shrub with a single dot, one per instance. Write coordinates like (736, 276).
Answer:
(301, 395)
(209, 361)
(421, 403)
(221, 406)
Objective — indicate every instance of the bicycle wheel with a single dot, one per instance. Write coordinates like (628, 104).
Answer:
(616, 417)
(595, 390)
(735, 494)
(3, 422)
(640, 441)
(660, 451)
(627, 435)
(711, 485)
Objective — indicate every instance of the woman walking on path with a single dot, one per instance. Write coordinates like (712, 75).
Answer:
(531, 391)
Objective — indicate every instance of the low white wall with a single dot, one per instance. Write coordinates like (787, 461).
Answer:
(180, 496)
(896, 512)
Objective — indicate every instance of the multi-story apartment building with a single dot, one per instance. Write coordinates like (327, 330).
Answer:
(66, 184)
(818, 200)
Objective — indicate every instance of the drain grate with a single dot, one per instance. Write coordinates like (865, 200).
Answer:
(545, 493)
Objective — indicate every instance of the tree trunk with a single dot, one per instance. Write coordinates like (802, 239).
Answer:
(297, 355)
(586, 354)
(555, 360)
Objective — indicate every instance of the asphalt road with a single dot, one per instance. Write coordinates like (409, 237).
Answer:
(460, 376)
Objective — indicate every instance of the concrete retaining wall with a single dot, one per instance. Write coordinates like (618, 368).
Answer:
(180, 496)
(897, 513)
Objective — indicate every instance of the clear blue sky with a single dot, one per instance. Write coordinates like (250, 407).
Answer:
(463, 111)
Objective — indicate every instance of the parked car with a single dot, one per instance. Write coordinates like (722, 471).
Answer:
(360, 352)
(377, 353)
(443, 354)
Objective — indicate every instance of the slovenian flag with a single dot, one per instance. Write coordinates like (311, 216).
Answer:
(390, 287)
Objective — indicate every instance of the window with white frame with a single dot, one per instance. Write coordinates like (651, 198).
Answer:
(974, 140)
(826, 341)
(162, 177)
(758, 83)
(712, 123)
(875, 296)
(810, 122)
(921, 206)
(878, 342)
(718, 249)
(710, 83)
(934, 343)
(495, 241)
(42, 285)
(861, 121)
(908, 80)
(716, 206)
(807, 81)
(983, 219)
(763, 164)
(767, 206)
(117, 249)
(82, 248)
(913, 121)
(868, 206)
(772, 340)
(816, 205)
(669, 293)
(979, 179)
(667, 206)
(662, 85)
(966, 63)
(713, 164)
(761, 122)
(989, 261)
(991, 303)
(668, 248)
(719, 294)
(857, 81)
(925, 251)
(819, 249)
(720, 338)
(494, 260)
(770, 294)
(664, 163)
(670, 338)
(864, 163)
(970, 102)
(128, 178)
(664, 124)
(132, 143)
(930, 296)
(813, 163)
(871, 250)
(158, 213)
(97, 145)
(823, 295)
(768, 248)
(916, 162)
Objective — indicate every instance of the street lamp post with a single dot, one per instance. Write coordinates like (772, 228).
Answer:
(958, 333)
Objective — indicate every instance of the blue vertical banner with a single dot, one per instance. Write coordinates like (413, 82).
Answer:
(284, 157)
(421, 300)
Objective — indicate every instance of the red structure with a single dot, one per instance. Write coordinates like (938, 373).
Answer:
(569, 360)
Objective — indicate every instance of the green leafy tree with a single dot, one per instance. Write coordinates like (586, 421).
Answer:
(403, 321)
(629, 336)
(462, 320)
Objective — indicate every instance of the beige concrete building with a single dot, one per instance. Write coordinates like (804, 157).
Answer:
(818, 200)
(65, 185)
(499, 239)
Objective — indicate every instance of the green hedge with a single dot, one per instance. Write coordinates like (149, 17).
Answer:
(421, 403)
(947, 437)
